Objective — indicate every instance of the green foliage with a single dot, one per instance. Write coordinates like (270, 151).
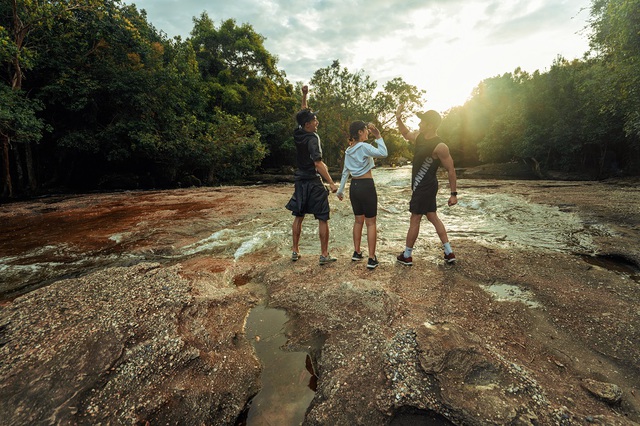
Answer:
(561, 120)
(90, 91)
(237, 147)
(123, 100)
(616, 39)
(18, 116)
(241, 78)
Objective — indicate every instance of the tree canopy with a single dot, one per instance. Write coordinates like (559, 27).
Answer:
(581, 115)
(93, 96)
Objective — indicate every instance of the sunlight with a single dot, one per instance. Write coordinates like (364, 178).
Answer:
(439, 64)
(454, 50)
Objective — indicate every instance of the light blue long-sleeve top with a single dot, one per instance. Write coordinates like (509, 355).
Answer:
(358, 160)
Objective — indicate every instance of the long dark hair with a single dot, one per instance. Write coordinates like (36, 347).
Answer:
(354, 128)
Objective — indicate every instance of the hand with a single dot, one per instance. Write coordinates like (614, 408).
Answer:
(399, 110)
(340, 196)
(374, 130)
(305, 89)
(333, 187)
(453, 200)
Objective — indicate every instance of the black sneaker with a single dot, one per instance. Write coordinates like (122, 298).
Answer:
(372, 263)
(405, 260)
(357, 256)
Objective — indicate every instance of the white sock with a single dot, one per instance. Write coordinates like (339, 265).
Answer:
(407, 252)
(447, 248)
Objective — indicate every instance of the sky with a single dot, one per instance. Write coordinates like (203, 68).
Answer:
(445, 47)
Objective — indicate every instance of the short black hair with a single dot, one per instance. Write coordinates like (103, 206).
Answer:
(305, 116)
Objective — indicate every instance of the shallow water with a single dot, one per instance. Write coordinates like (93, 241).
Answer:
(498, 220)
(503, 292)
(287, 384)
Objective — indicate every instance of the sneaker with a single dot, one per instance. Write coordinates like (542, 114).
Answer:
(357, 256)
(295, 256)
(373, 263)
(405, 260)
(450, 258)
(328, 259)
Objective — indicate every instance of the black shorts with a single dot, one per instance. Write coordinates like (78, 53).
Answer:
(364, 198)
(423, 199)
(310, 197)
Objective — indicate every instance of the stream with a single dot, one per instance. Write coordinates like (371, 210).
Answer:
(501, 220)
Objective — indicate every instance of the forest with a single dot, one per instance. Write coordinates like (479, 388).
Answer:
(94, 97)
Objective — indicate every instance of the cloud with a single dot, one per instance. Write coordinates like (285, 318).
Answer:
(443, 46)
(547, 19)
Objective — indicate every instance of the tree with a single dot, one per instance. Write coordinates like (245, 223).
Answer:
(615, 39)
(17, 120)
(242, 79)
(27, 23)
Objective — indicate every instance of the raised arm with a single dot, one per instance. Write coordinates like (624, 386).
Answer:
(305, 91)
(381, 150)
(404, 131)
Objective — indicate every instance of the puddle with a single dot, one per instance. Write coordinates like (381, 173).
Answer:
(615, 263)
(511, 293)
(288, 383)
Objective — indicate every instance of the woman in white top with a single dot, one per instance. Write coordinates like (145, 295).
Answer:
(358, 162)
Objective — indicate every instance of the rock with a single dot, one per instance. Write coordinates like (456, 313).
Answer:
(122, 346)
(163, 343)
(513, 170)
(473, 379)
(608, 392)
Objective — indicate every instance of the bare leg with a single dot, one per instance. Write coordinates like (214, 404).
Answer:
(357, 232)
(323, 231)
(296, 230)
(440, 229)
(372, 235)
(414, 229)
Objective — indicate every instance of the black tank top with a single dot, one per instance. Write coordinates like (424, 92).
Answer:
(425, 166)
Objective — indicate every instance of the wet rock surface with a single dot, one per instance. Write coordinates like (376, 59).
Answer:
(155, 332)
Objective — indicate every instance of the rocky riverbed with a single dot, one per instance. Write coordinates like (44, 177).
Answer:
(153, 330)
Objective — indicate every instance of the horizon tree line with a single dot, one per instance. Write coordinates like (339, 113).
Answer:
(93, 96)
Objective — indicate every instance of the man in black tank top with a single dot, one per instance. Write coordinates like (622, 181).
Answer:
(430, 152)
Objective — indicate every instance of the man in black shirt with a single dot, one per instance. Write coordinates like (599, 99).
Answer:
(310, 194)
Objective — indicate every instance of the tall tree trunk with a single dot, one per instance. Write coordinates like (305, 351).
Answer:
(7, 187)
(18, 179)
(31, 172)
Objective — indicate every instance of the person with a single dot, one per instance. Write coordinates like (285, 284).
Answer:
(310, 195)
(358, 162)
(430, 152)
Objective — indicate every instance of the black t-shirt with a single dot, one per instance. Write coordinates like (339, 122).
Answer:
(308, 151)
